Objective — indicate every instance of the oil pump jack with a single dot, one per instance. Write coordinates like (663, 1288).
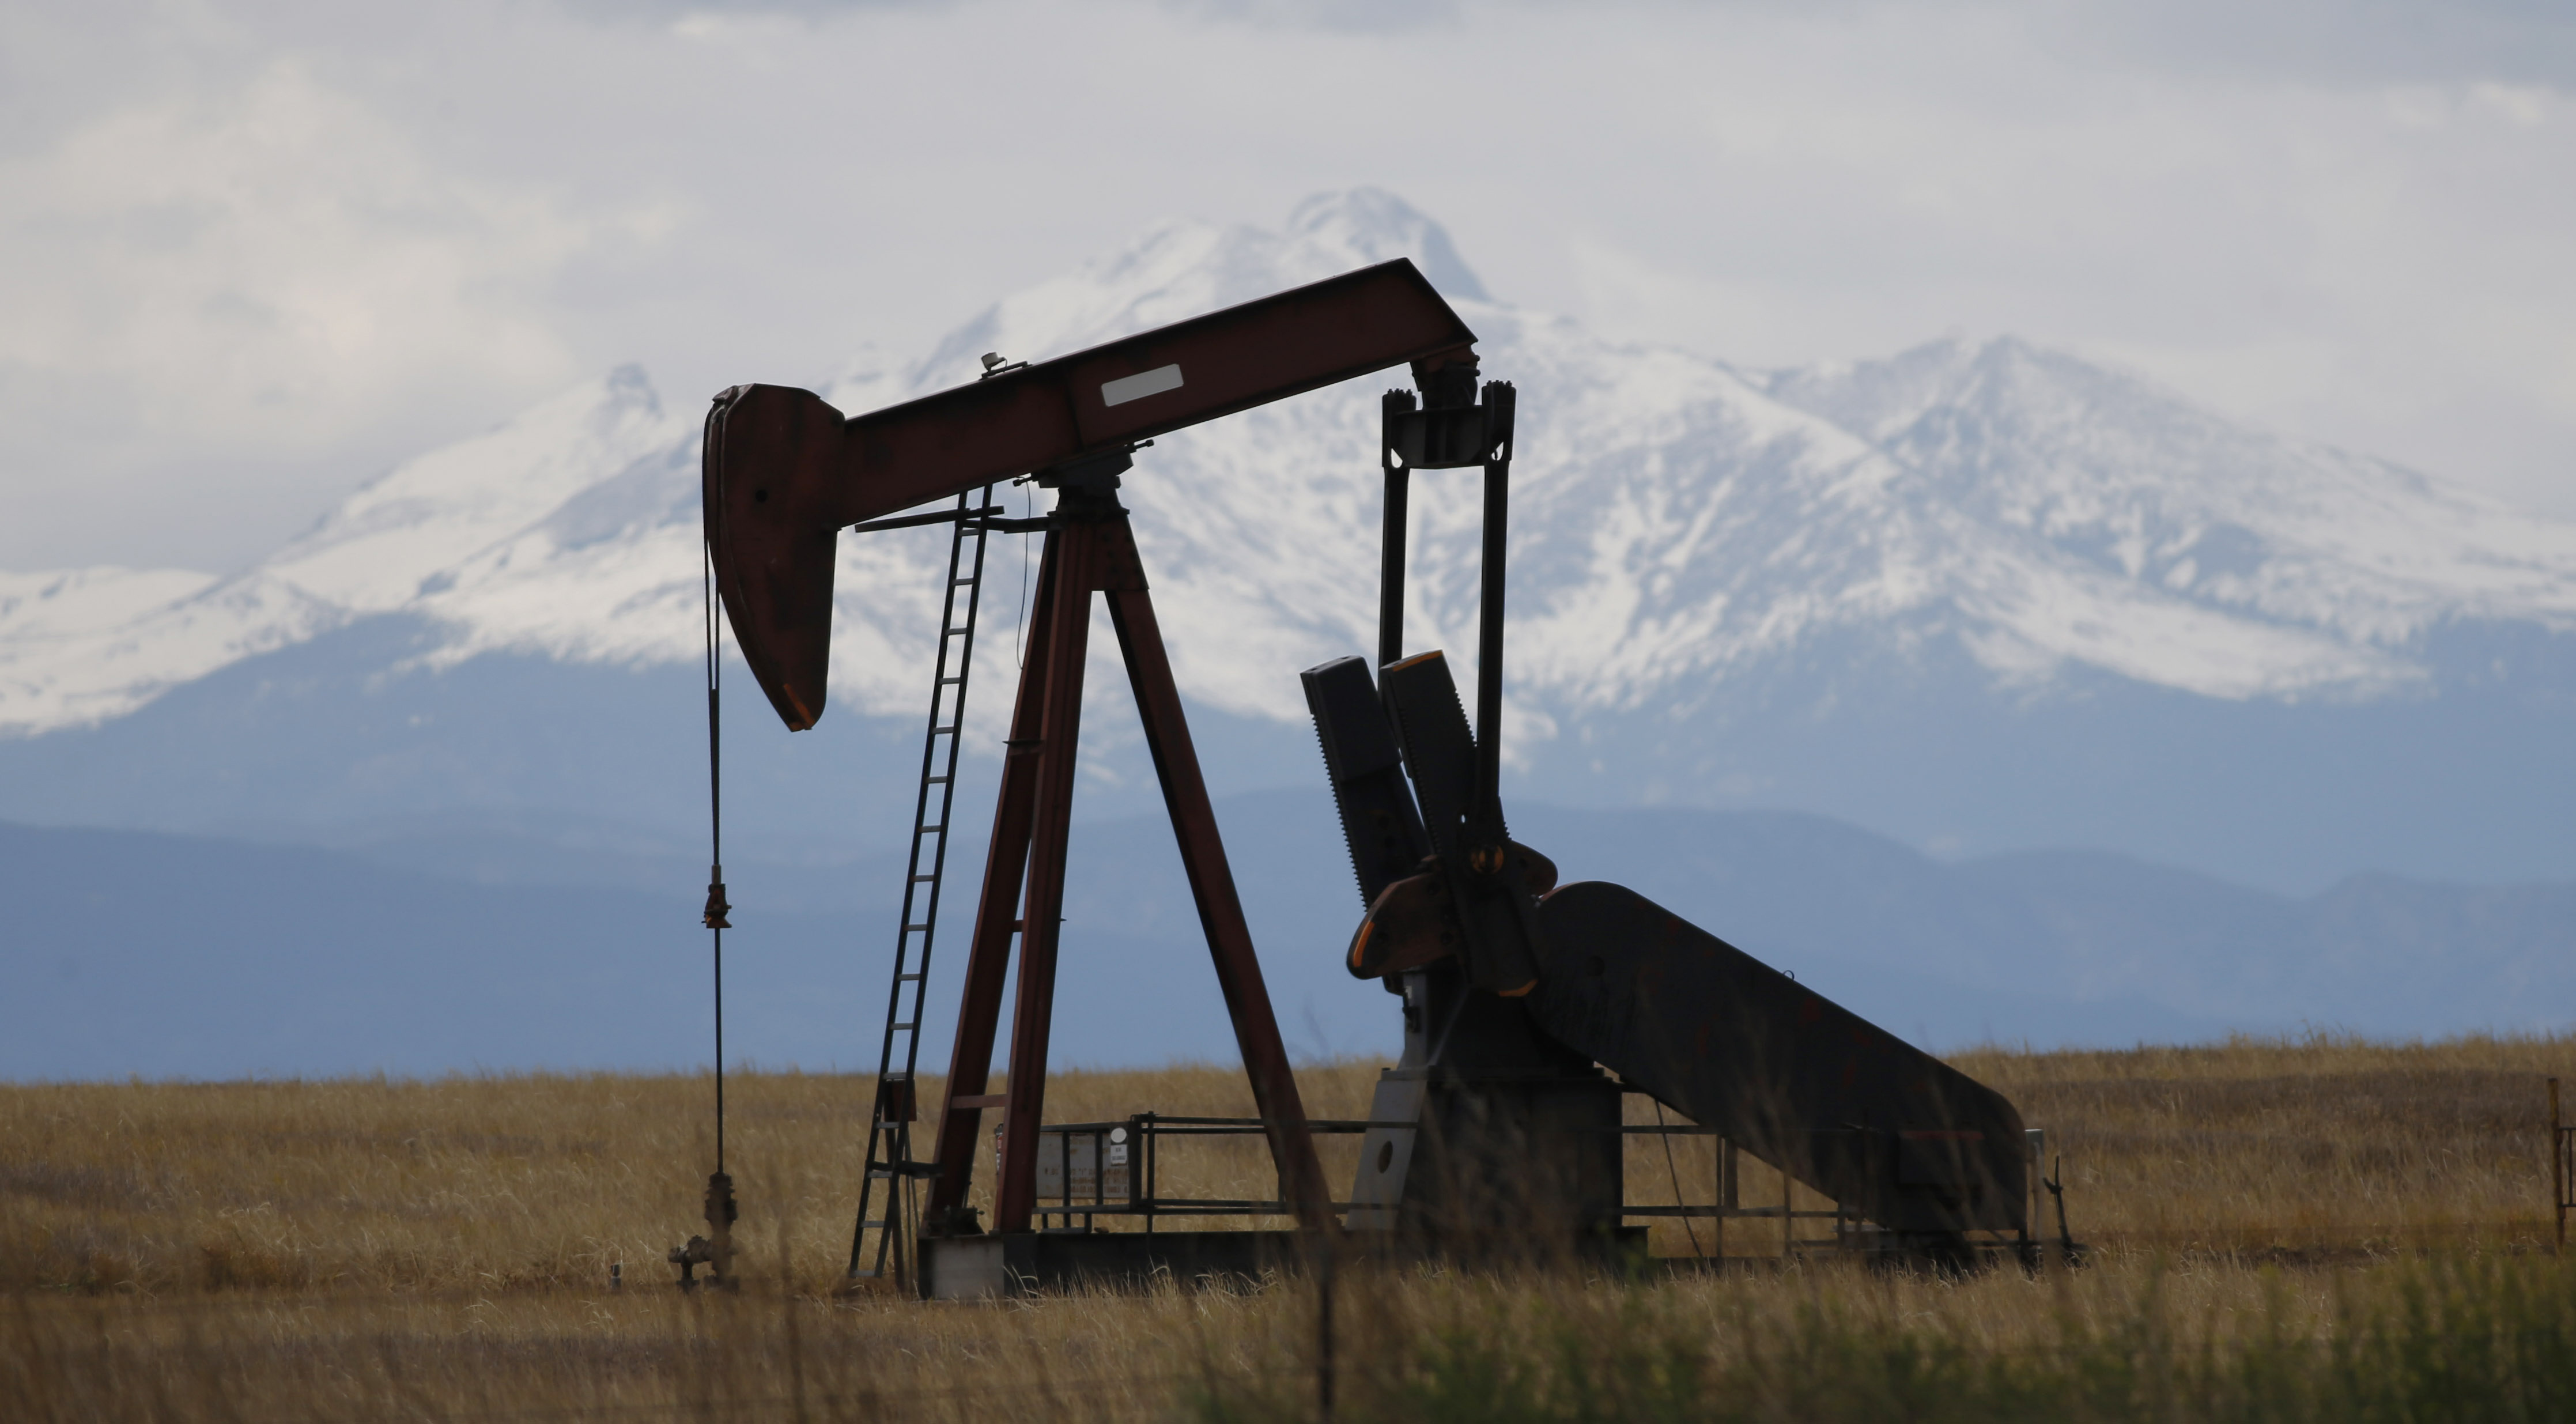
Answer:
(1499, 1129)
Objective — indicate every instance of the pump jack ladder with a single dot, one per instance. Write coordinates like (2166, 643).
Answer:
(890, 1124)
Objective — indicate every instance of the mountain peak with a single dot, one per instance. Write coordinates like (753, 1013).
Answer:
(1184, 268)
(431, 512)
(1374, 225)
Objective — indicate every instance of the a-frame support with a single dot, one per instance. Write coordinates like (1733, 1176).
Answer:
(1090, 548)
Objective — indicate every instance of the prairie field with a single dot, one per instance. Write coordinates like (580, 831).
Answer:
(2320, 1228)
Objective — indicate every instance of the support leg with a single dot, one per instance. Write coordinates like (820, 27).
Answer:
(1068, 637)
(996, 912)
(1238, 970)
(1788, 1223)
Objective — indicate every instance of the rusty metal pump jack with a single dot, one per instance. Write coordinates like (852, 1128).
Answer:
(784, 473)
(1499, 1127)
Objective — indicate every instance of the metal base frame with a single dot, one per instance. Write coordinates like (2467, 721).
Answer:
(1026, 1262)
(1023, 1263)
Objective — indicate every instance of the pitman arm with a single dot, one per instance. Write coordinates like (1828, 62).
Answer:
(784, 472)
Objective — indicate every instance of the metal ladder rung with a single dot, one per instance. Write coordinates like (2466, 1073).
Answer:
(934, 781)
(907, 978)
(907, 1027)
(911, 928)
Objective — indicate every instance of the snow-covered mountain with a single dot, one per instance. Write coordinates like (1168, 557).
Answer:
(1979, 595)
(85, 646)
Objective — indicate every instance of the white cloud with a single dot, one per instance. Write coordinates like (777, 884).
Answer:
(313, 239)
(220, 262)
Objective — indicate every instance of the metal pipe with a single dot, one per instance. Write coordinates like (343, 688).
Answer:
(1042, 912)
(1390, 576)
(1489, 613)
(997, 918)
(1392, 409)
(944, 516)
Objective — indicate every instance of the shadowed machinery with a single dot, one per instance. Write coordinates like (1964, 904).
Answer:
(1530, 1008)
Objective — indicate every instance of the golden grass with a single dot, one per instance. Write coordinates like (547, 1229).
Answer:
(372, 1248)
(2325, 1141)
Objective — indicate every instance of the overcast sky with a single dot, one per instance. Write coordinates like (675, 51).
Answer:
(251, 255)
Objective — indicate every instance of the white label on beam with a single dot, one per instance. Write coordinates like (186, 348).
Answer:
(1140, 385)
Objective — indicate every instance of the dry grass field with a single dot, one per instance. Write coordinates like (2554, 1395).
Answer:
(2324, 1228)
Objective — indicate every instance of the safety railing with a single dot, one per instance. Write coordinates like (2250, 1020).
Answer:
(1088, 1170)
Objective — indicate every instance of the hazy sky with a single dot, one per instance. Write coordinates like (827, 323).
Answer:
(252, 254)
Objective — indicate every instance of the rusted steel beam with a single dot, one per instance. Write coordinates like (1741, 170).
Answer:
(1393, 407)
(1032, 1021)
(1486, 819)
(997, 913)
(1238, 968)
(783, 471)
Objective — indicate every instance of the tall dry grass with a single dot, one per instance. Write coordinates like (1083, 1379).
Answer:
(2321, 1142)
(370, 1248)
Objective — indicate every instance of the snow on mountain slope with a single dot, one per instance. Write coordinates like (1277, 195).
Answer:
(68, 603)
(1678, 523)
(85, 647)
(105, 669)
(1674, 524)
(67, 640)
(402, 537)
(2130, 480)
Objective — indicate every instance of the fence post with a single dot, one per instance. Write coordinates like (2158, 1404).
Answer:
(1725, 1196)
(2557, 1170)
